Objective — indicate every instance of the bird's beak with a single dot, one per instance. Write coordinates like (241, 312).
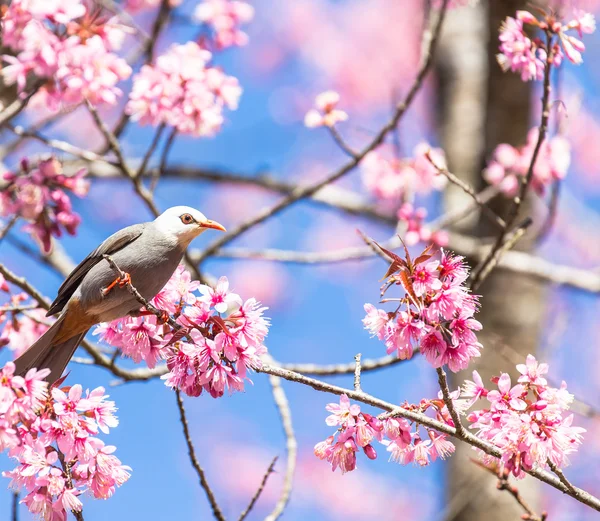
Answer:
(214, 225)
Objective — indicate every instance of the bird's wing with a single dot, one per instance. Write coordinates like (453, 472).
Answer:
(114, 243)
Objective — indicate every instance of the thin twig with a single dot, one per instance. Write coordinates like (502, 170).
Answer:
(9, 225)
(340, 142)
(57, 144)
(261, 487)
(561, 476)
(487, 211)
(504, 484)
(308, 191)
(443, 383)
(393, 410)
(142, 169)
(477, 276)
(163, 160)
(17, 106)
(194, 460)
(499, 251)
(285, 413)
(357, 370)
(15, 506)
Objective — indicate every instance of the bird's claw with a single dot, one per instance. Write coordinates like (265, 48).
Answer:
(121, 281)
(164, 317)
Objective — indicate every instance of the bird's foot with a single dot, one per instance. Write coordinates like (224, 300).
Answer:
(121, 281)
(164, 317)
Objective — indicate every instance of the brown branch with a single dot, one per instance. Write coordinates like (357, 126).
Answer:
(393, 410)
(142, 168)
(56, 144)
(482, 269)
(443, 383)
(465, 187)
(194, 460)
(504, 484)
(490, 262)
(285, 413)
(17, 105)
(561, 476)
(339, 140)
(261, 487)
(308, 191)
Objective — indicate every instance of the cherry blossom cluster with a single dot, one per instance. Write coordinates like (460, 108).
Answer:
(528, 57)
(68, 46)
(52, 434)
(183, 91)
(526, 421)
(38, 195)
(220, 339)
(510, 164)
(357, 431)
(326, 113)
(224, 18)
(416, 230)
(392, 179)
(435, 314)
(21, 324)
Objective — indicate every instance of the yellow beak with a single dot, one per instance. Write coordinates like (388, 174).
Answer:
(214, 225)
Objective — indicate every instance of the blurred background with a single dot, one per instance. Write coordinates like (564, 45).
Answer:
(368, 51)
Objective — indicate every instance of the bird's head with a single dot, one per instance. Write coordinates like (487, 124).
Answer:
(185, 223)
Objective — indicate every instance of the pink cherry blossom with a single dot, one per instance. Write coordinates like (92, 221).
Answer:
(69, 46)
(35, 424)
(326, 114)
(37, 195)
(183, 91)
(509, 164)
(139, 5)
(391, 179)
(527, 421)
(529, 56)
(435, 314)
(221, 338)
(416, 230)
(225, 17)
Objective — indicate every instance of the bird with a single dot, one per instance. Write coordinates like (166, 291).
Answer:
(148, 253)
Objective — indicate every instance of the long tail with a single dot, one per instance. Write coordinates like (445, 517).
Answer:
(45, 354)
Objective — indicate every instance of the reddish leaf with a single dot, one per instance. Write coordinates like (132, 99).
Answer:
(177, 336)
(407, 285)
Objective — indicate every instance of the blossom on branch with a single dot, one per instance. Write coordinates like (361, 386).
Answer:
(52, 436)
(66, 46)
(510, 164)
(181, 90)
(220, 337)
(326, 114)
(526, 421)
(225, 17)
(357, 431)
(38, 195)
(392, 179)
(416, 230)
(529, 56)
(435, 313)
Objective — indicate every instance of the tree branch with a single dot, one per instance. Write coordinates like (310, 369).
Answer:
(308, 191)
(192, 453)
(261, 487)
(285, 413)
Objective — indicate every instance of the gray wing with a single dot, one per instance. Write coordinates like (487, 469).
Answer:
(114, 243)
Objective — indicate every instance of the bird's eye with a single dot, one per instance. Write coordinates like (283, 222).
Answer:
(186, 218)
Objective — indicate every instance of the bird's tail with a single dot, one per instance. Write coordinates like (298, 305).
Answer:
(46, 354)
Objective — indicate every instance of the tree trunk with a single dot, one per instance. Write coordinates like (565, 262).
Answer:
(480, 107)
